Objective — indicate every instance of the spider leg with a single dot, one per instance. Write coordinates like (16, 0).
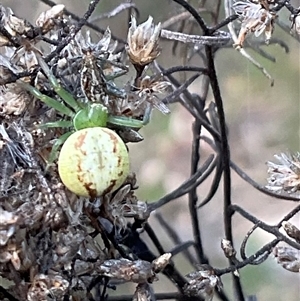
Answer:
(129, 135)
(112, 89)
(65, 95)
(116, 74)
(110, 72)
(51, 102)
(129, 122)
(147, 115)
(54, 151)
(123, 121)
(57, 124)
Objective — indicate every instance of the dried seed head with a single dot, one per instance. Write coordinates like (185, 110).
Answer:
(296, 23)
(149, 91)
(82, 267)
(68, 241)
(142, 42)
(288, 258)
(124, 204)
(13, 100)
(143, 292)
(8, 222)
(83, 45)
(7, 69)
(227, 248)
(103, 46)
(291, 230)
(6, 253)
(161, 262)
(256, 18)
(138, 271)
(12, 23)
(10, 253)
(46, 19)
(284, 176)
(16, 24)
(44, 286)
(30, 213)
(202, 283)
(98, 67)
(89, 250)
(15, 260)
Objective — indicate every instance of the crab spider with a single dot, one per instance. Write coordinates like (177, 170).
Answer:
(82, 115)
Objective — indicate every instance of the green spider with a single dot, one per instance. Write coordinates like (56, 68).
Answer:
(82, 115)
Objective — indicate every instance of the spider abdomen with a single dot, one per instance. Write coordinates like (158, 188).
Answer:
(93, 161)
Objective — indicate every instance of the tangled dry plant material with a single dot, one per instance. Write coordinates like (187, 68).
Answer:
(70, 228)
(48, 234)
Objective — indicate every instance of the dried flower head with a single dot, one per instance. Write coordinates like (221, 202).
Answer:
(46, 20)
(295, 23)
(10, 254)
(123, 204)
(284, 176)
(142, 42)
(12, 23)
(44, 286)
(8, 221)
(161, 262)
(256, 18)
(202, 283)
(97, 66)
(291, 230)
(13, 99)
(150, 89)
(288, 258)
(105, 46)
(227, 248)
(143, 292)
(138, 271)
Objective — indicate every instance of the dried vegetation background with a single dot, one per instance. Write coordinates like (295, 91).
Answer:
(261, 121)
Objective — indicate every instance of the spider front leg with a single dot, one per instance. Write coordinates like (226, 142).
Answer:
(147, 115)
(65, 95)
(123, 121)
(128, 127)
(53, 103)
(130, 122)
(112, 72)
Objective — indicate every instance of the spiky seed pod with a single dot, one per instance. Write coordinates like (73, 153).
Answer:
(93, 161)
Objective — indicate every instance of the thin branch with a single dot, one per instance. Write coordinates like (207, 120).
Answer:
(261, 188)
(193, 181)
(195, 14)
(193, 196)
(270, 229)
